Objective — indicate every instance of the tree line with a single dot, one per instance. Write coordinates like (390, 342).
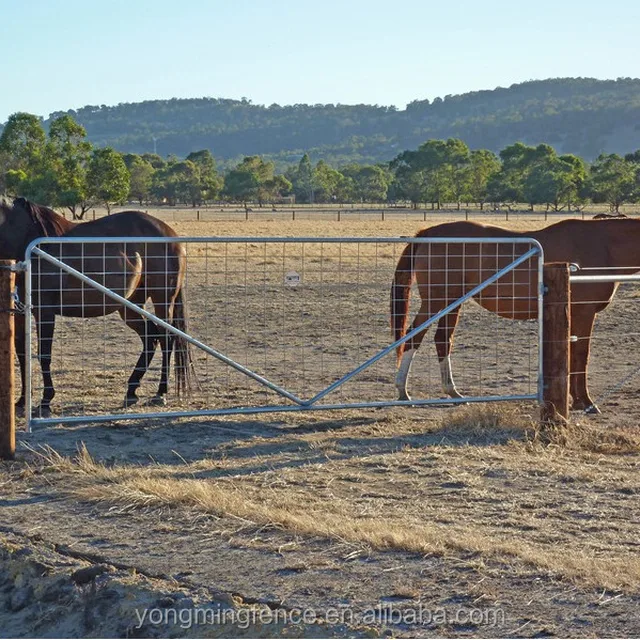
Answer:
(61, 168)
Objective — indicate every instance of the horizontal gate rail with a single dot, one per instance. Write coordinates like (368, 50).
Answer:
(576, 279)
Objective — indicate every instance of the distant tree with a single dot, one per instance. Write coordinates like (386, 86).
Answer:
(614, 180)
(68, 154)
(13, 180)
(409, 179)
(184, 183)
(370, 183)
(154, 160)
(633, 157)
(326, 181)
(556, 181)
(518, 162)
(107, 177)
(483, 165)
(436, 172)
(22, 145)
(141, 177)
(274, 188)
(303, 180)
(207, 181)
(247, 181)
(457, 159)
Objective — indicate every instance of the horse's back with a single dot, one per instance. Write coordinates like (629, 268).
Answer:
(125, 223)
(121, 265)
(466, 229)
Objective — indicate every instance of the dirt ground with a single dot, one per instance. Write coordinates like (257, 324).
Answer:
(431, 521)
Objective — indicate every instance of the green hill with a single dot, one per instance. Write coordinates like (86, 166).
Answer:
(584, 116)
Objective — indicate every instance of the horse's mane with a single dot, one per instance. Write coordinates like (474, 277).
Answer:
(49, 222)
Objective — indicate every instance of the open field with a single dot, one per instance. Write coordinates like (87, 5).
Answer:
(467, 514)
(360, 213)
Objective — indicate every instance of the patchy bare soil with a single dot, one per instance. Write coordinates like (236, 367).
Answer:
(418, 522)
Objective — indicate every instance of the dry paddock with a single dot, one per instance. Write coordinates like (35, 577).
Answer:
(442, 521)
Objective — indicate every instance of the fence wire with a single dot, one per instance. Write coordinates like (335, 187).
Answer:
(300, 313)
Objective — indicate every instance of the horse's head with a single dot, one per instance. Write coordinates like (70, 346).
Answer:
(13, 231)
(19, 224)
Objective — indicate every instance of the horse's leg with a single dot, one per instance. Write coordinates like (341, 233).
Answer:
(19, 343)
(164, 311)
(443, 338)
(410, 348)
(582, 319)
(148, 333)
(444, 342)
(45, 325)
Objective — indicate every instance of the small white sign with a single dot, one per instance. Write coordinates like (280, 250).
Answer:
(292, 278)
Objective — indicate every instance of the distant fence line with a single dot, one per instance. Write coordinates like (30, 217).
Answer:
(231, 213)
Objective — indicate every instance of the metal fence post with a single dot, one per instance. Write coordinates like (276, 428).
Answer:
(7, 410)
(555, 343)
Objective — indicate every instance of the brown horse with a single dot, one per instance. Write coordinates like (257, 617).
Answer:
(446, 272)
(134, 270)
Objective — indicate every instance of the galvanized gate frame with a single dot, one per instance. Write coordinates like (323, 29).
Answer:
(299, 404)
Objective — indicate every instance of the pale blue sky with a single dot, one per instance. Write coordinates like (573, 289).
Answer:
(64, 54)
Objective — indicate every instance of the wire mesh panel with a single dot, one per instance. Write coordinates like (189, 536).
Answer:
(275, 323)
(605, 357)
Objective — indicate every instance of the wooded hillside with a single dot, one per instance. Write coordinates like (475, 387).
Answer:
(576, 115)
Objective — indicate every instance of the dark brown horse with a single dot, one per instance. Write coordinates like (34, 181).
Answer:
(444, 273)
(135, 270)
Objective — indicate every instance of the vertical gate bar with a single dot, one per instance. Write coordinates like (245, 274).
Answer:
(27, 342)
(540, 287)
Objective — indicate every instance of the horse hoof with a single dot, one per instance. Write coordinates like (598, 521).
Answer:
(42, 412)
(157, 401)
(592, 410)
(129, 401)
(404, 397)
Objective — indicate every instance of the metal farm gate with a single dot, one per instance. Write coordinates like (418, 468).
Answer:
(283, 324)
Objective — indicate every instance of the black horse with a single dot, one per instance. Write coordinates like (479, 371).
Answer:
(134, 270)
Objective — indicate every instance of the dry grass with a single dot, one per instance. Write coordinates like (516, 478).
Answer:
(587, 437)
(464, 499)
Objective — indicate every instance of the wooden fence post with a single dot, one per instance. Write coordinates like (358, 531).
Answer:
(7, 410)
(555, 343)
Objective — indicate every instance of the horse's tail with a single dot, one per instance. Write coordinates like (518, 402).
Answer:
(400, 295)
(183, 362)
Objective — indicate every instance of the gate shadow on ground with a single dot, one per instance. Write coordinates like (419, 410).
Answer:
(274, 444)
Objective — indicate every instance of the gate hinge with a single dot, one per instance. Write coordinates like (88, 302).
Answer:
(16, 267)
